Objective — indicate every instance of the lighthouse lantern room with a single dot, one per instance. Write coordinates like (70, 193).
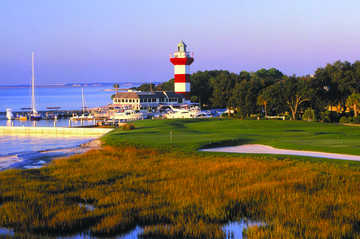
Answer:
(182, 60)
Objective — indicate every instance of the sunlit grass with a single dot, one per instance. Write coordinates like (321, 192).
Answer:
(175, 192)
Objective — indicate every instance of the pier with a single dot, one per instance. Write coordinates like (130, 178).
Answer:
(53, 131)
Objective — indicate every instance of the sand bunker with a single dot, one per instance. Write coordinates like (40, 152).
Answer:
(264, 149)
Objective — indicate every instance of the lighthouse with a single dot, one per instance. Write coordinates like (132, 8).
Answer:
(182, 59)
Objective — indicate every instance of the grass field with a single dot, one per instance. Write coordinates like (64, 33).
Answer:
(190, 135)
(175, 192)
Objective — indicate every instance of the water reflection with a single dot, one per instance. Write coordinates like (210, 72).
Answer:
(235, 230)
(232, 230)
(6, 232)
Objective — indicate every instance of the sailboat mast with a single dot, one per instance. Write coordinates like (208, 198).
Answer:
(83, 100)
(33, 87)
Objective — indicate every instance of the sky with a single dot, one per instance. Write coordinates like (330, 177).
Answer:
(130, 40)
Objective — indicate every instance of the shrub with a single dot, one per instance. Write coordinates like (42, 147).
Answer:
(329, 117)
(128, 127)
(345, 119)
(356, 120)
(309, 115)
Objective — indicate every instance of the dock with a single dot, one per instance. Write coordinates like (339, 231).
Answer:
(52, 131)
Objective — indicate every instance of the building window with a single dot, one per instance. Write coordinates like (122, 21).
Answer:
(154, 100)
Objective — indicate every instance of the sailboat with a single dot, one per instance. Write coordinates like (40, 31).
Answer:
(34, 115)
(84, 116)
(9, 114)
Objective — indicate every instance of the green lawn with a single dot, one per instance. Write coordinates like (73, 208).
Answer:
(190, 135)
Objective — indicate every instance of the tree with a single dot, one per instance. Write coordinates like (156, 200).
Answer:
(261, 101)
(200, 86)
(222, 85)
(166, 86)
(339, 80)
(244, 96)
(275, 102)
(295, 92)
(116, 87)
(353, 101)
(146, 87)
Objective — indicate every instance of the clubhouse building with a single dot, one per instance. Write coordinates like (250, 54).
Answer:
(138, 100)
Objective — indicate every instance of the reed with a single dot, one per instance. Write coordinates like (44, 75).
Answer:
(140, 177)
(175, 195)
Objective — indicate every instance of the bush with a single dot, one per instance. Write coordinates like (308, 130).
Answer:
(128, 127)
(309, 115)
(356, 120)
(329, 117)
(345, 119)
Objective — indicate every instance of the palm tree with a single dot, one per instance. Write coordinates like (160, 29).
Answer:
(262, 102)
(353, 101)
(116, 87)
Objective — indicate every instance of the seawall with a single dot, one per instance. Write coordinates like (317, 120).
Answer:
(53, 131)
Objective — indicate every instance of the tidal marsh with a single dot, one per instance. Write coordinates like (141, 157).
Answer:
(181, 193)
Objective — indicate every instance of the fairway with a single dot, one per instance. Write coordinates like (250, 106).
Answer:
(191, 135)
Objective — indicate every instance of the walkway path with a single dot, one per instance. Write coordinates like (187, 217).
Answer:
(264, 149)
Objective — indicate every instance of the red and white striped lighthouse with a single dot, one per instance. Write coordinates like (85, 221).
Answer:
(182, 60)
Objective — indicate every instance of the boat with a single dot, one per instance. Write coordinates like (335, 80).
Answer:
(203, 115)
(180, 114)
(34, 114)
(84, 116)
(127, 115)
(9, 114)
(184, 112)
(22, 117)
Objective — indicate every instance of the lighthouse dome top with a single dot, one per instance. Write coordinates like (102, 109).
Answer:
(181, 46)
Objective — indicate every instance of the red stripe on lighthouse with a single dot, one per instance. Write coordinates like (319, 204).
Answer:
(182, 61)
(182, 78)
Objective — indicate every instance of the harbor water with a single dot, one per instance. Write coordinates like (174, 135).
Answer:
(34, 151)
(68, 98)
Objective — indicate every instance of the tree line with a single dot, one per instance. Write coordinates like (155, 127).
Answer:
(270, 92)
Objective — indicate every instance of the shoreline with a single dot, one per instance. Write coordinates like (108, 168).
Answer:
(41, 158)
(265, 149)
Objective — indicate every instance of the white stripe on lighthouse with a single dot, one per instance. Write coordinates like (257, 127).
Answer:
(182, 69)
(182, 87)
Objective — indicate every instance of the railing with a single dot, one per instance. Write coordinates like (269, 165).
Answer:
(182, 54)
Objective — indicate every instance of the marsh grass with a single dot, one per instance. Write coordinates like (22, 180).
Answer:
(142, 178)
(176, 195)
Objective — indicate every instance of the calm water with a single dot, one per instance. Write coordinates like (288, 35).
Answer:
(23, 151)
(10, 145)
(68, 98)
(232, 230)
(20, 144)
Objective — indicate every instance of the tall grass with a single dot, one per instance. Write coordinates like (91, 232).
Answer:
(176, 195)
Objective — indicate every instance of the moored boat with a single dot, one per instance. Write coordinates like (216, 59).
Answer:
(34, 115)
(9, 114)
(127, 115)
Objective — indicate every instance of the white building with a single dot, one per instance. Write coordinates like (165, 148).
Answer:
(146, 100)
